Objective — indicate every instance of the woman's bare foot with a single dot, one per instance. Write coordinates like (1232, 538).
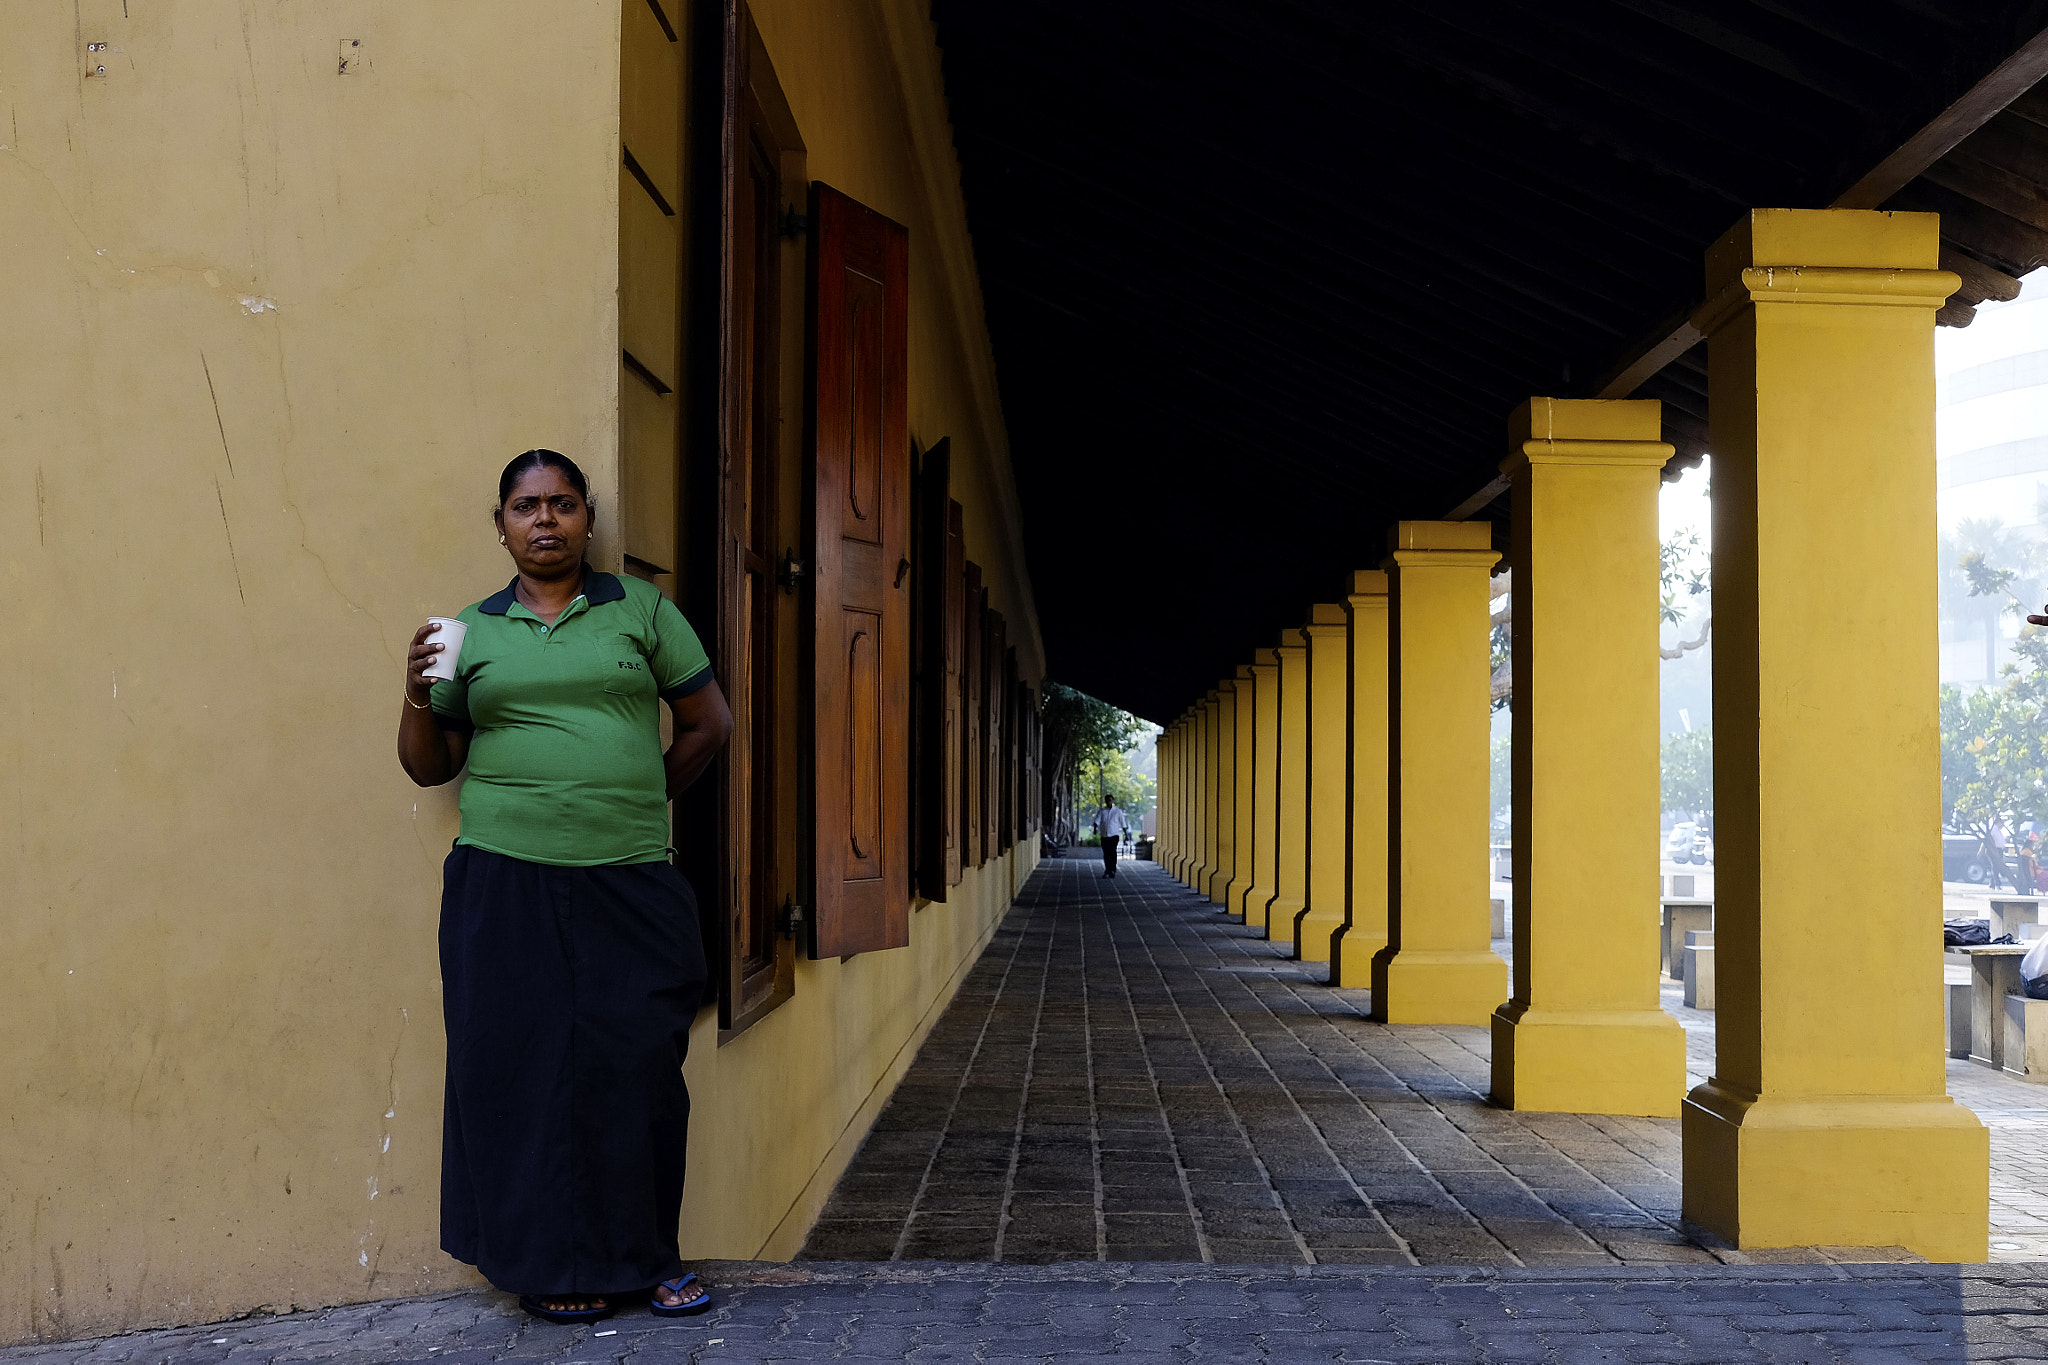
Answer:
(669, 1298)
(572, 1303)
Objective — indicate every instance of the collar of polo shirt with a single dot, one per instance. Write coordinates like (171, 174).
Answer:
(598, 589)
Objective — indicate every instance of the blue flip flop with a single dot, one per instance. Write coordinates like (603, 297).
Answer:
(567, 1316)
(689, 1307)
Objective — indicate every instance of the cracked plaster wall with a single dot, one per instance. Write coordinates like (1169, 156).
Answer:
(267, 331)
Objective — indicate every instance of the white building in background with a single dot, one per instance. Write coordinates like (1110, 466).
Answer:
(1991, 447)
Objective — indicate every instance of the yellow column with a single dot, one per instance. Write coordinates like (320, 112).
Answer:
(1291, 851)
(1585, 1031)
(1190, 751)
(1198, 773)
(1364, 931)
(1226, 791)
(1265, 775)
(1242, 722)
(1328, 703)
(1826, 1120)
(1199, 882)
(1170, 797)
(1438, 966)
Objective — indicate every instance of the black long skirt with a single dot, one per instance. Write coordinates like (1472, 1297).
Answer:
(568, 994)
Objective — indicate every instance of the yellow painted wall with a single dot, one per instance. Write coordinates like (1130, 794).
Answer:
(267, 332)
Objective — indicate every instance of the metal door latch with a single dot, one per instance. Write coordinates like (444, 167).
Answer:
(791, 571)
(791, 921)
(794, 224)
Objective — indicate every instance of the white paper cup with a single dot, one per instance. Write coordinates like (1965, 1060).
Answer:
(450, 634)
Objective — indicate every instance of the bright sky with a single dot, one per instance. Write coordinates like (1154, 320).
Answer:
(2010, 332)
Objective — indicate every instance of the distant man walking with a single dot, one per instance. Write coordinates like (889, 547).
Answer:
(1109, 827)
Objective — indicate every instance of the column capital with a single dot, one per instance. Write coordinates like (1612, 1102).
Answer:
(1244, 673)
(1326, 619)
(1822, 256)
(1586, 431)
(1264, 658)
(1440, 544)
(1367, 583)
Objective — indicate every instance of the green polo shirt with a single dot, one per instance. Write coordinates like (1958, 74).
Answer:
(565, 722)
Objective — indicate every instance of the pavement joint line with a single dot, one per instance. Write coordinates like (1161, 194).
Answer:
(1023, 1097)
(967, 1070)
(1330, 1026)
(1236, 1117)
(1180, 1169)
(1322, 1137)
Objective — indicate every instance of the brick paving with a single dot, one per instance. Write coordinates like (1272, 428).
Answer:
(1129, 1085)
(1129, 1075)
(932, 1313)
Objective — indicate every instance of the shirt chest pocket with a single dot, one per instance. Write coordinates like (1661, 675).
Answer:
(624, 668)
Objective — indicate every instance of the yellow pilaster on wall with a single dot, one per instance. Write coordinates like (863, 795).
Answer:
(1438, 966)
(1328, 703)
(1364, 931)
(1819, 1127)
(1212, 706)
(1290, 865)
(1265, 778)
(1226, 791)
(1585, 1031)
(1243, 720)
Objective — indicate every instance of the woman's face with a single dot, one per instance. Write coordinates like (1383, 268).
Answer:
(546, 522)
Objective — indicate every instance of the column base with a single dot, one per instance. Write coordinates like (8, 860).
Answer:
(1838, 1170)
(1313, 930)
(1280, 919)
(1197, 877)
(1218, 887)
(1252, 909)
(1436, 986)
(1588, 1061)
(1233, 896)
(1351, 954)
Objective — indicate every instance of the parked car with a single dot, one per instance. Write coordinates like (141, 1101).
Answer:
(1962, 859)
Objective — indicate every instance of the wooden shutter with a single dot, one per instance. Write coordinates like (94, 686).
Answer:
(936, 796)
(1006, 808)
(955, 698)
(859, 534)
(991, 729)
(971, 611)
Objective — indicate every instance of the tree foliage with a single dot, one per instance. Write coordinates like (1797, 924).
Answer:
(1114, 775)
(1688, 766)
(1994, 739)
(1078, 729)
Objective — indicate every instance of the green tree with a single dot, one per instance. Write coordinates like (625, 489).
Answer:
(1994, 739)
(1078, 729)
(1688, 765)
(1114, 775)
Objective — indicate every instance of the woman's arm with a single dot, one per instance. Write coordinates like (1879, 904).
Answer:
(429, 754)
(703, 724)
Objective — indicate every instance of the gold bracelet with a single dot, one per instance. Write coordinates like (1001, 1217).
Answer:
(418, 705)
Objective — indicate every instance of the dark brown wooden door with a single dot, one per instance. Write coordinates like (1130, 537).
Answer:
(859, 533)
(935, 800)
(972, 613)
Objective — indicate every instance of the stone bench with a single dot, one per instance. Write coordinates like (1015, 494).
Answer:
(1994, 980)
(1699, 969)
(1681, 917)
(2011, 914)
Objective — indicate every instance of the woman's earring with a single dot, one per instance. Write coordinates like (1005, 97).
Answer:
(501, 540)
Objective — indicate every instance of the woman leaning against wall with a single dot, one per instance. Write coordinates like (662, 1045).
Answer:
(571, 962)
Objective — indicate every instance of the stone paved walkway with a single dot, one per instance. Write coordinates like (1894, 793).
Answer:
(935, 1314)
(1129, 1075)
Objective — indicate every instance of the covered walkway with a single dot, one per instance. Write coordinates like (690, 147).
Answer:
(1129, 1075)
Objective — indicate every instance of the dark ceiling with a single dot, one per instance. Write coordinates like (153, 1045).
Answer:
(1264, 277)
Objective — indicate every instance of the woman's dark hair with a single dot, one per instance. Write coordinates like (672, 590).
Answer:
(541, 459)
